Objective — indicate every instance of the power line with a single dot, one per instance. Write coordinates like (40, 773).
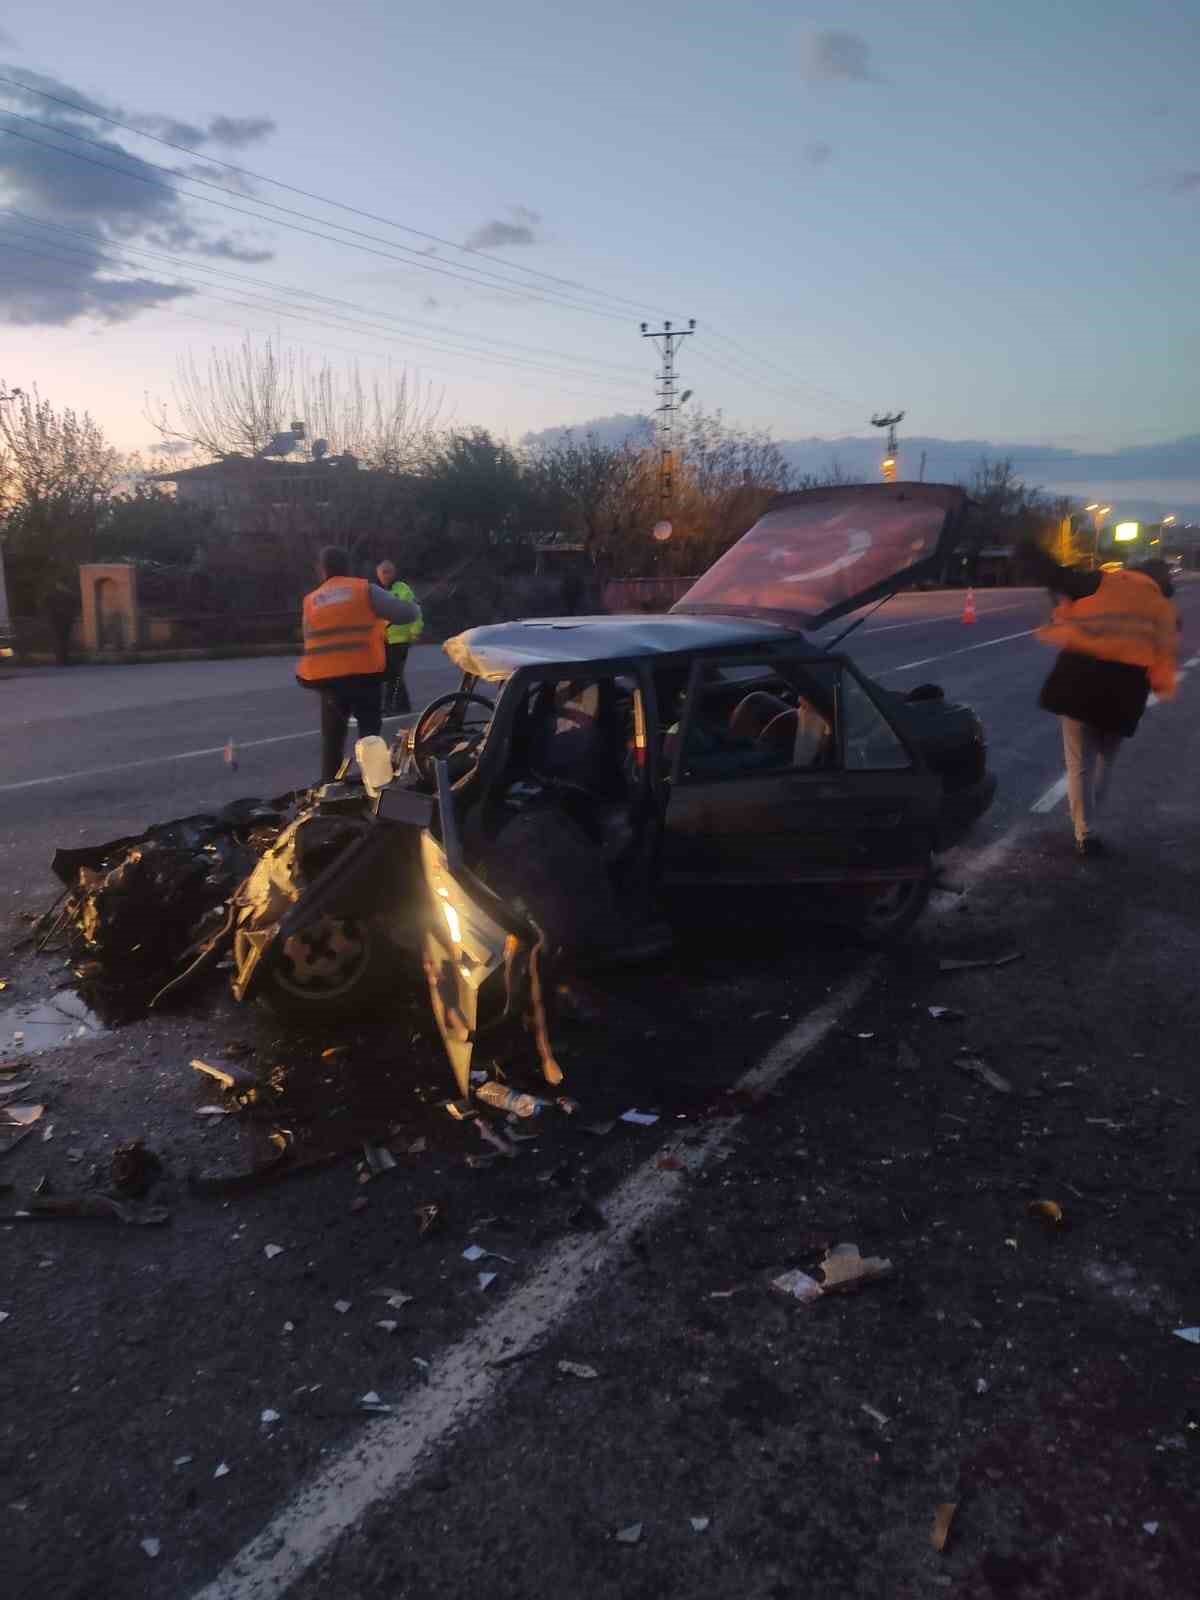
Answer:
(782, 371)
(421, 368)
(207, 292)
(193, 265)
(762, 386)
(410, 258)
(308, 194)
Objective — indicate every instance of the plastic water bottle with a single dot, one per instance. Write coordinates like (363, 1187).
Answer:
(375, 763)
(504, 1099)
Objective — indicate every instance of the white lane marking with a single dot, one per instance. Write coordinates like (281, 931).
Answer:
(1053, 795)
(922, 622)
(966, 650)
(387, 1455)
(155, 761)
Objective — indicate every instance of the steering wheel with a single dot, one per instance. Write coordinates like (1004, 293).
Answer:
(445, 730)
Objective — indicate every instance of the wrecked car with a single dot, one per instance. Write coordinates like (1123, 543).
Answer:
(589, 770)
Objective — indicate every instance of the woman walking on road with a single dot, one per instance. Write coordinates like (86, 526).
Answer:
(1117, 635)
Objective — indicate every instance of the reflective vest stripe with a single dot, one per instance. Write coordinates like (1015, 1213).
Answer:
(344, 632)
(324, 649)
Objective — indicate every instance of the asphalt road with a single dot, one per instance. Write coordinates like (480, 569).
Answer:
(1024, 1372)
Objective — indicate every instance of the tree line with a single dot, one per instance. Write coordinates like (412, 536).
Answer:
(451, 504)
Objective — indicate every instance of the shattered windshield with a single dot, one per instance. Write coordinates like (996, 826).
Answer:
(821, 553)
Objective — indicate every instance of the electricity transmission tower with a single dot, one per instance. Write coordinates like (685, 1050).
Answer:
(888, 420)
(668, 340)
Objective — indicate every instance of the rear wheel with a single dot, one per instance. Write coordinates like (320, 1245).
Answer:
(892, 910)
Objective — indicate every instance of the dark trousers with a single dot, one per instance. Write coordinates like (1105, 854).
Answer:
(395, 690)
(341, 699)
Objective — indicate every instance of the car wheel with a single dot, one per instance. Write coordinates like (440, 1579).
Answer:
(336, 969)
(891, 911)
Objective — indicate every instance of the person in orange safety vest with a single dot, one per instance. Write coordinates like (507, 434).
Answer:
(1117, 635)
(344, 659)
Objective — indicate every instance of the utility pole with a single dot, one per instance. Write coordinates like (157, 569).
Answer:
(888, 420)
(668, 339)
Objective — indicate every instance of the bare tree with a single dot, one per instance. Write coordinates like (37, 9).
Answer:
(57, 473)
(241, 399)
(389, 425)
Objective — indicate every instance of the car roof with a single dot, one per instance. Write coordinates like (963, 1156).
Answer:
(495, 652)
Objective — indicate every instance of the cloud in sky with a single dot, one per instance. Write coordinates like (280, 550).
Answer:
(834, 55)
(497, 233)
(816, 153)
(53, 275)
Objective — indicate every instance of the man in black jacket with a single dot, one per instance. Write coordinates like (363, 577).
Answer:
(1098, 701)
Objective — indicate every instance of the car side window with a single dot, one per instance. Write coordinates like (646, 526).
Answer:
(740, 722)
(870, 744)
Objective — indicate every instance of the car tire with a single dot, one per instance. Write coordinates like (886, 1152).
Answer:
(341, 970)
(892, 914)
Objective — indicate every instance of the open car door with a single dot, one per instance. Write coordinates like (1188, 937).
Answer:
(481, 960)
(819, 554)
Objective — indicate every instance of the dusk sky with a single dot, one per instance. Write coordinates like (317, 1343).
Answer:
(987, 214)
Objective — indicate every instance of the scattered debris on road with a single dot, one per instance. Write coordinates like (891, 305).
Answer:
(238, 1080)
(640, 1119)
(20, 1116)
(972, 964)
(700, 1524)
(976, 1067)
(794, 1285)
(396, 1298)
(134, 1169)
(1047, 1211)
(1191, 1335)
(946, 1014)
(151, 1547)
(577, 1369)
(105, 1207)
(943, 1516)
(629, 1535)
(844, 1267)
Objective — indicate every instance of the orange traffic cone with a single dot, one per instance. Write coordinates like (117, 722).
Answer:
(969, 607)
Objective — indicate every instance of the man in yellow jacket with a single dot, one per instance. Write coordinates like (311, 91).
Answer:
(1117, 634)
(344, 657)
(399, 636)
